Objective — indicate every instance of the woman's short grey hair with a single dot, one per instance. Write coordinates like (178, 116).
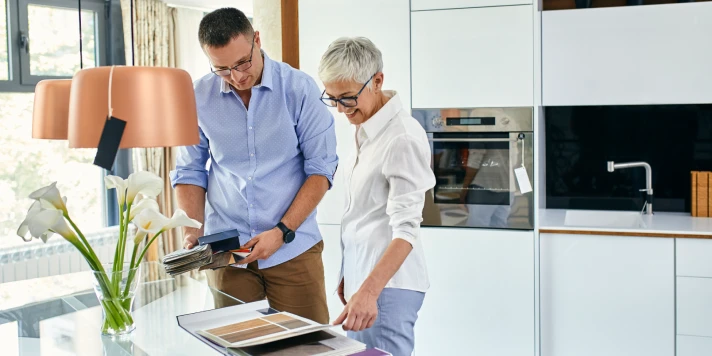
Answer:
(350, 58)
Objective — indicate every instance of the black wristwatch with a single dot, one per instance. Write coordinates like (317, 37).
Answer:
(287, 234)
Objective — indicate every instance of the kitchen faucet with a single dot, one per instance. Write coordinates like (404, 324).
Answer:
(612, 166)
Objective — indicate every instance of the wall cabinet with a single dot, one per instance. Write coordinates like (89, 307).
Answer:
(627, 55)
(479, 57)
(607, 295)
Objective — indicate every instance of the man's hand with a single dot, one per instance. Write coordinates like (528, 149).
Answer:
(340, 292)
(263, 245)
(190, 241)
(360, 313)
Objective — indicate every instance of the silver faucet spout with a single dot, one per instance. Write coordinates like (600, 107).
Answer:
(612, 166)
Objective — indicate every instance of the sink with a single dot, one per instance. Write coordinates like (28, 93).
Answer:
(604, 219)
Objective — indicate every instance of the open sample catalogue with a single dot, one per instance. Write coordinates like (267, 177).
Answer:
(256, 329)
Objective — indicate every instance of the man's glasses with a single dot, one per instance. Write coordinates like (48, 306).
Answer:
(347, 101)
(240, 67)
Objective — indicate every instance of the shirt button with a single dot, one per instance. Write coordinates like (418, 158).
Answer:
(252, 154)
(250, 127)
(253, 230)
(249, 178)
(251, 205)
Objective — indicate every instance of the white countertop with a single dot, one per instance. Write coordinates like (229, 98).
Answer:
(628, 222)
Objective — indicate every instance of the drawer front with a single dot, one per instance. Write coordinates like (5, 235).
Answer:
(694, 306)
(694, 257)
(694, 346)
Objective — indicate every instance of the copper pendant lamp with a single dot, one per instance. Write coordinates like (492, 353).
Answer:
(51, 106)
(117, 107)
(157, 104)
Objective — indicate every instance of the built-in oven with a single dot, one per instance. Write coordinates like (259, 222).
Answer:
(483, 163)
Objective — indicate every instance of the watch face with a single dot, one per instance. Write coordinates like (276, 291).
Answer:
(288, 237)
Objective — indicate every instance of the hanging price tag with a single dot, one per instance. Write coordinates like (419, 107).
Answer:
(523, 180)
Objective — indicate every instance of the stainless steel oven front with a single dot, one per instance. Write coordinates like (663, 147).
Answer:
(483, 163)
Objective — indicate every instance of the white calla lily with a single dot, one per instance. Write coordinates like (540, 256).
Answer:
(118, 183)
(51, 195)
(146, 203)
(46, 222)
(143, 182)
(150, 221)
(24, 228)
(180, 218)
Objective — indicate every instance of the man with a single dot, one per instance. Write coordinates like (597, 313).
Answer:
(272, 151)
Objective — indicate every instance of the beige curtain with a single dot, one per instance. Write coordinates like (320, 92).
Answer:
(154, 44)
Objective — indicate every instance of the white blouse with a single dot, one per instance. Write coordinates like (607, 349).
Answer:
(385, 182)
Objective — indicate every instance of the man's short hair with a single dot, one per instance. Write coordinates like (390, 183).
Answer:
(219, 27)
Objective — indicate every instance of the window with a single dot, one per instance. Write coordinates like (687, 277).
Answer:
(27, 164)
(42, 42)
(42, 38)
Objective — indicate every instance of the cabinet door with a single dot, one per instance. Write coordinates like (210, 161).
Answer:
(481, 296)
(418, 5)
(387, 25)
(332, 266)
(627, 55)
(607, 295)
(481, 57)
(694, 346)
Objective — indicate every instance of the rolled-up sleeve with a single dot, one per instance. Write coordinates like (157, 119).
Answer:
(407, 169)
(191, 164)
(316, 134)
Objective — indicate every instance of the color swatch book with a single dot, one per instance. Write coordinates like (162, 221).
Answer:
(254, 329)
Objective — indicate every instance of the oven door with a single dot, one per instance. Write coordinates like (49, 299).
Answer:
(475, 180)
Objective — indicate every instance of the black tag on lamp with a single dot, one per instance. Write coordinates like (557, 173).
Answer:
(109, 142)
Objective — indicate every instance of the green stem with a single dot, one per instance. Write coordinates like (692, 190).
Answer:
(122, 239)
(84, 240)
(118, 245)
(145, 248)
(132, 271)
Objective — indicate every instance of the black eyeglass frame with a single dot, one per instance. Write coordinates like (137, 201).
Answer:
(228, 71)
(333, 102)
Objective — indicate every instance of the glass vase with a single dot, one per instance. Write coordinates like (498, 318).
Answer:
(116, 290)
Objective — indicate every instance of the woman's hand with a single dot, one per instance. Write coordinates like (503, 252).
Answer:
(360, 312)
(340, 292)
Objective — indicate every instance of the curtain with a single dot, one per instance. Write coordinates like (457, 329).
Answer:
(154, 44)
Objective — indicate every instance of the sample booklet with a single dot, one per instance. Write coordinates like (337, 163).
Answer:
(254, 329)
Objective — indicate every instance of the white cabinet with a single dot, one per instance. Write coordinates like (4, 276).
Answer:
(387, 24)
(694, 306)
(481, 297)
(627, 55)
(693, 257)
(480, 57)
(694, 346)
(419, 5)
(332, 266)
(607, 295)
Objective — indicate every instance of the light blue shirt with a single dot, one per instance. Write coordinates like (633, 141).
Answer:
(259, 158)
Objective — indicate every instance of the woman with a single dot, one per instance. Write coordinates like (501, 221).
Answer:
(383, 278)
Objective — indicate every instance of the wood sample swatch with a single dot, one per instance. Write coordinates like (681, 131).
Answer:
(693, 197)
(702, 194)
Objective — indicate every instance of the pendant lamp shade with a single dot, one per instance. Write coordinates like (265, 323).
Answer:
(51, 109)
(157, 104)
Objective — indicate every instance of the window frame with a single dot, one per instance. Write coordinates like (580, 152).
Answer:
(20, 79)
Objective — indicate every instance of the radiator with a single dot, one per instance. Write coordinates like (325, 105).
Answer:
(55, 257)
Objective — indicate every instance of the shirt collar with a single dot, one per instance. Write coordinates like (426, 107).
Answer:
(266, 76)
(373, 126)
